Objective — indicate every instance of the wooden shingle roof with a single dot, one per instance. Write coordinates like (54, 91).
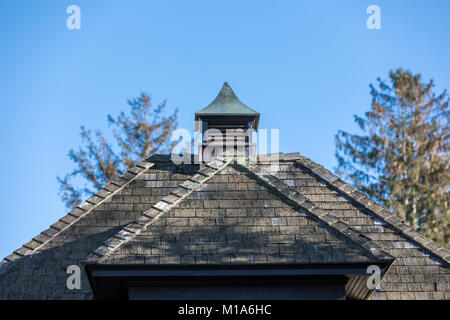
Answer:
(217, 224)
(227, 212)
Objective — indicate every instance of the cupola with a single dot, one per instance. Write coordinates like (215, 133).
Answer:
(226, 125)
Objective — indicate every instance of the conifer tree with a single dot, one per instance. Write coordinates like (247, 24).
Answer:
(402, 157)
(142, 132)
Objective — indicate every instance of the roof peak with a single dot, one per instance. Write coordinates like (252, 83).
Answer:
(226, 91)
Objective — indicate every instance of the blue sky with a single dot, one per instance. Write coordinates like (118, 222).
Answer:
(304, 65)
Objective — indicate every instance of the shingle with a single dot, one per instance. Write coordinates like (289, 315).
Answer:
(230, 220)
(236, 215)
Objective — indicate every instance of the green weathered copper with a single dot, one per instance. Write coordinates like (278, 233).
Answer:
(227, 104)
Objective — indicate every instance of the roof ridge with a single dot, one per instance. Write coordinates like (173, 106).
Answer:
(293, 196)
(159, 209)
(378, 210)
(76, 214)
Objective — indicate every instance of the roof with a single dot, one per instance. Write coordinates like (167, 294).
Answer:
(161, 213)
(227, 104)
(215, 224)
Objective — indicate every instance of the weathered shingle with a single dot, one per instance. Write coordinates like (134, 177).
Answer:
(423, 272)
(298, 214)
(246, 227)
(45, 268)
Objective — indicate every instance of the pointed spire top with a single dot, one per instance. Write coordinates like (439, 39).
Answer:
(226, 91)
(227, 104)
